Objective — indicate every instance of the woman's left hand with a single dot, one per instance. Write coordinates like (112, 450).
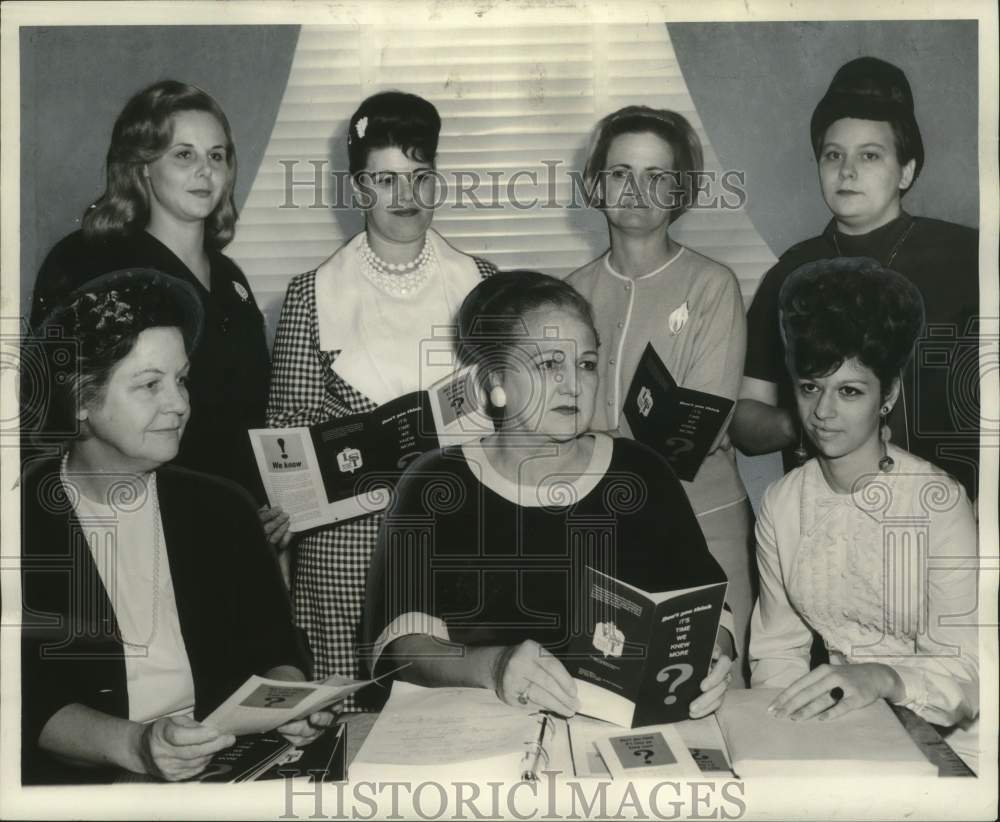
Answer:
(303, 731)
(860, 684)
(714, 687)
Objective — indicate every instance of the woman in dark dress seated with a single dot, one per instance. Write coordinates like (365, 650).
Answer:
(168, 205)
(165, 595)
(478, 574)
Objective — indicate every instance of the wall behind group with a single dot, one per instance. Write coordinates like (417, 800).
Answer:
(756, 85)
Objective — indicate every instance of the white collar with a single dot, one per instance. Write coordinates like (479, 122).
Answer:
(560, 493)
(653, 273)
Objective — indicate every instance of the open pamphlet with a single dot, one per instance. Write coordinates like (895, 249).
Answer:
(643, 655)
(346, 467)
(260, 705)
(467, 733)
(869, 741)
(681, 424)
(271, 756)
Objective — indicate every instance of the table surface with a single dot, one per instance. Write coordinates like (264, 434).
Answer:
(701, 733)
(705, 733)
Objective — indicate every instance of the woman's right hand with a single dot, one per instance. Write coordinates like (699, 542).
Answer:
(276, 526)
(177, 747)
(527, 674)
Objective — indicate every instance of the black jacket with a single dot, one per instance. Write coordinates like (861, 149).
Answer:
(234, 612)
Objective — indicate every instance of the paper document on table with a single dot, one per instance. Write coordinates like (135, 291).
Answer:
(468, 730)
(868, 741)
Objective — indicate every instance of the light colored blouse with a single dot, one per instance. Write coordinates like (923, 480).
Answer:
(692, 312)
(127, 545)
(390, 345)
(886, 574)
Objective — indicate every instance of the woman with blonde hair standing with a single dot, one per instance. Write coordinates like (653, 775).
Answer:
(168, 205)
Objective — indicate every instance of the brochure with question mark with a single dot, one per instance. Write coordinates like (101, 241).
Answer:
(682, 424)
(260, 704)
(641, 656)
(655, 752)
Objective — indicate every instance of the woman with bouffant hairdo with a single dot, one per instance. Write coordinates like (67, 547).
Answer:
(837, 538)
(168, 205)
(351, 338)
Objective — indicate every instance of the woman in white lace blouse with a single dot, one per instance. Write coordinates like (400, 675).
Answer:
(868, 545)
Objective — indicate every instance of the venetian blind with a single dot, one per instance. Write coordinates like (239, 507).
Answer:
(511, 99)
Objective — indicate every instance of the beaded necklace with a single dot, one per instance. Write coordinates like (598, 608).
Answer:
(397, 279)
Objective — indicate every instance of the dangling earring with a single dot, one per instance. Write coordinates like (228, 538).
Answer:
(800, 453)
(886, 463)
(498, 397)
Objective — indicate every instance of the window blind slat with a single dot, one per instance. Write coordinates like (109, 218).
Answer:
(510, 97)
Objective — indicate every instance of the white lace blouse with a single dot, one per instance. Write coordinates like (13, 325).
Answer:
(886, 574)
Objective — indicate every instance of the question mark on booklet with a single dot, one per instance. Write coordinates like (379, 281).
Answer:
(645, 753)
(684, 673)
(679, 445)
(271, 701)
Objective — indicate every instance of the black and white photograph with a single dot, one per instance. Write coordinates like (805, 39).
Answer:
(705, 524)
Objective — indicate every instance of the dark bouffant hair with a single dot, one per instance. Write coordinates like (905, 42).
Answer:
(103, 319)
(491, 317)
(141, 135)
(671, 127)
(849, 308)
(393, 119)
(871, 89)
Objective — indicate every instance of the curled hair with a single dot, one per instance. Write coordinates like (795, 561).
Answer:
(849, 308)
(393, 119)
(491, 317)
(103, 319)
(141, 135)
(671, 127)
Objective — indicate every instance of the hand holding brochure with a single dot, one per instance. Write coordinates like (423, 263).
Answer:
(643, 656)
(681, 424)
(345, 467)
(260, 705)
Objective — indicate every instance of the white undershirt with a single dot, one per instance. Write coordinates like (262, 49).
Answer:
(129, 551)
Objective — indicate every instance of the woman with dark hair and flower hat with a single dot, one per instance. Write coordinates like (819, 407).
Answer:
(351, 337)
(149, 591)
(844, 541)
(168, 205)
(869, 154)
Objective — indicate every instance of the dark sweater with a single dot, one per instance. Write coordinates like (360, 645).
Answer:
(937, 417)
(230, 368)
(234, 613)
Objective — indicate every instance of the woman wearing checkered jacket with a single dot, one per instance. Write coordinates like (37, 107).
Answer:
(349, 340)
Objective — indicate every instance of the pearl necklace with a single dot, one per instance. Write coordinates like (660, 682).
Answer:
(397, 279)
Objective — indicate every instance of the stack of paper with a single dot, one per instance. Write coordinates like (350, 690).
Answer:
(464, 732)
(865, 742)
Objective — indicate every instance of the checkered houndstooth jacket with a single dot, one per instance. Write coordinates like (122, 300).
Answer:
(329, 589)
